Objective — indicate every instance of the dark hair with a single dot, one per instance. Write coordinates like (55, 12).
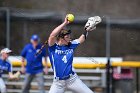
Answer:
(63, 32)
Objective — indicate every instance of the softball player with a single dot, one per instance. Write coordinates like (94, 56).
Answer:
(5, 66)
(34, 66)
(61, 50)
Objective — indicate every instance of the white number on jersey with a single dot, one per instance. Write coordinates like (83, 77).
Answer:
(64, 59)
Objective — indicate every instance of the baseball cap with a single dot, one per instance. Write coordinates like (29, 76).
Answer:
(64, 32)
(35, 37)
(5, 50)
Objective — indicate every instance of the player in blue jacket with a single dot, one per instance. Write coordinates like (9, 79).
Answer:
(34, 67)
(5, 66)
(61, 51)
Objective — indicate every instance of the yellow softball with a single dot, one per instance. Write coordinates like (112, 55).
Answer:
(70, 17)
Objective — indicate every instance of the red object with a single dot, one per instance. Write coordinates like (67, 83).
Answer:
(126, 73)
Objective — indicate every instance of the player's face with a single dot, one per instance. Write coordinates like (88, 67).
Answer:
(5, 55)
(34, 42)
(67, 38)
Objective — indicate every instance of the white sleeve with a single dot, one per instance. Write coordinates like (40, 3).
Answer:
(76, 41)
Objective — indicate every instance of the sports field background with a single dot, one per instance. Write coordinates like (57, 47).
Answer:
(27, 17)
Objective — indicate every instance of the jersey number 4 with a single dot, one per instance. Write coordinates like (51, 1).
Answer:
(64, 59)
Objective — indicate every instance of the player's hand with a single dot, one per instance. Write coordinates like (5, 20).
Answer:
(17, 75)
(46, 70)
(66, 21)
(23, 70)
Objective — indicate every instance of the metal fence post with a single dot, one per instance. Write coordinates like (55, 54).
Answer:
(108, 65)
(137, 80)
(8, 28)
(7, 13)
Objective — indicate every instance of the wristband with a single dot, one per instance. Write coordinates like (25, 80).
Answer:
(85, 33)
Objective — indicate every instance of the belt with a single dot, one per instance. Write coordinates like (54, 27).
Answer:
(65, 77)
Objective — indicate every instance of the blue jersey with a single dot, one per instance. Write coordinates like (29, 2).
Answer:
(61, 58)
(5, 67)
(34, 63)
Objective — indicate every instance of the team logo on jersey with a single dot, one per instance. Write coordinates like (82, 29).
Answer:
(30, 50)
(68, 51)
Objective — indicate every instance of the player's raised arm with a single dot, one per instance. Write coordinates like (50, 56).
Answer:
(83, 37)
(55, 32)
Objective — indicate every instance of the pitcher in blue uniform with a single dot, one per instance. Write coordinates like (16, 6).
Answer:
(5, 66)
(61, 51)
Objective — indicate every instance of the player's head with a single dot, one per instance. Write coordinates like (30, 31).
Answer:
(5, 53)
(35, 39)
(64, 36)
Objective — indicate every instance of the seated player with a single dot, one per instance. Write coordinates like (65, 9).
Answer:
(6, 66)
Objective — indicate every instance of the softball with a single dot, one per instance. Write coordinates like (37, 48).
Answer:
(70, 17)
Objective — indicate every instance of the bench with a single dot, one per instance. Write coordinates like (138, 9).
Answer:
(93, 78)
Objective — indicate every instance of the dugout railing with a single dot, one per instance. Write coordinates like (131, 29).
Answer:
(93, 75)
(93, 78)
(91, 72)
